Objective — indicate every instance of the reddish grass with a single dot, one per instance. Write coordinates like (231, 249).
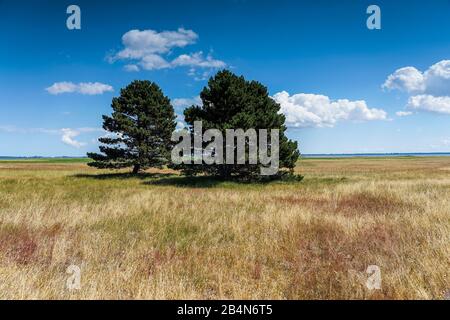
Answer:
(25, 246)
(351, 204)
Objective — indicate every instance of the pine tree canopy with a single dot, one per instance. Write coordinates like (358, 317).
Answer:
(231, 102)
(139, 129)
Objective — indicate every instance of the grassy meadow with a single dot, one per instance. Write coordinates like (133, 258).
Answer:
(162, 236)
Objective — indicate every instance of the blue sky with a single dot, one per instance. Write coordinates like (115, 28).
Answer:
(340, 84)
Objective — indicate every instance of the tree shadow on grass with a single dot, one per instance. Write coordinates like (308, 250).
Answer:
(210, 182)
(123, 175)
(157, 179)
(186, 181)
(174, 180)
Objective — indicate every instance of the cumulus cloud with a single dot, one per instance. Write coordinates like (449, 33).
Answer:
(406, 79)
(403, 113)
(312, 110)
(150, 50)
(429, 90)
(86, 88)
(430, 103)
(68, 136)
(437, 79)
(433, 81)
(140, 43)
(62, 87)
(93, 88)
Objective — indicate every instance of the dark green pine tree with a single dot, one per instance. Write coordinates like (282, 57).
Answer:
(231, 102)
(140, 129)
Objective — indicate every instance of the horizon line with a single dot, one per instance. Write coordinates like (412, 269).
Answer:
(302, 155)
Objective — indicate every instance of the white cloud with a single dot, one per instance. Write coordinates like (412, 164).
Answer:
(405, 79)
(437, 79)
(197, 60)
(433, 81)
(154, 62)
(62, 87)
(200, 75)
(93, 88)
(68, 136)
(403, 113)
(131, 68)
(430, 90)
(186, 102)
(150, 50)
(312, 110)
(140, 43)
(430, 103)
(87, 88)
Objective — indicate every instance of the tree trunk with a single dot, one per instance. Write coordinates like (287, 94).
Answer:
(136, 169)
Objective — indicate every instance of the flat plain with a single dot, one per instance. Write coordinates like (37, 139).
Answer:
(163, 236)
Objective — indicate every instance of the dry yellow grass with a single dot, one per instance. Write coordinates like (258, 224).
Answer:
(164, 237)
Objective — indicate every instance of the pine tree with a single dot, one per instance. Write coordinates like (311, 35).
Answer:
(139, 129)
(231, 102)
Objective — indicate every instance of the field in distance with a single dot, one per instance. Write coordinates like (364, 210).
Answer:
(163, 236)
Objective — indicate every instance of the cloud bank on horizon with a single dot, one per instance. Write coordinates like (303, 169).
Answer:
(315, 110)
(428, 90)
